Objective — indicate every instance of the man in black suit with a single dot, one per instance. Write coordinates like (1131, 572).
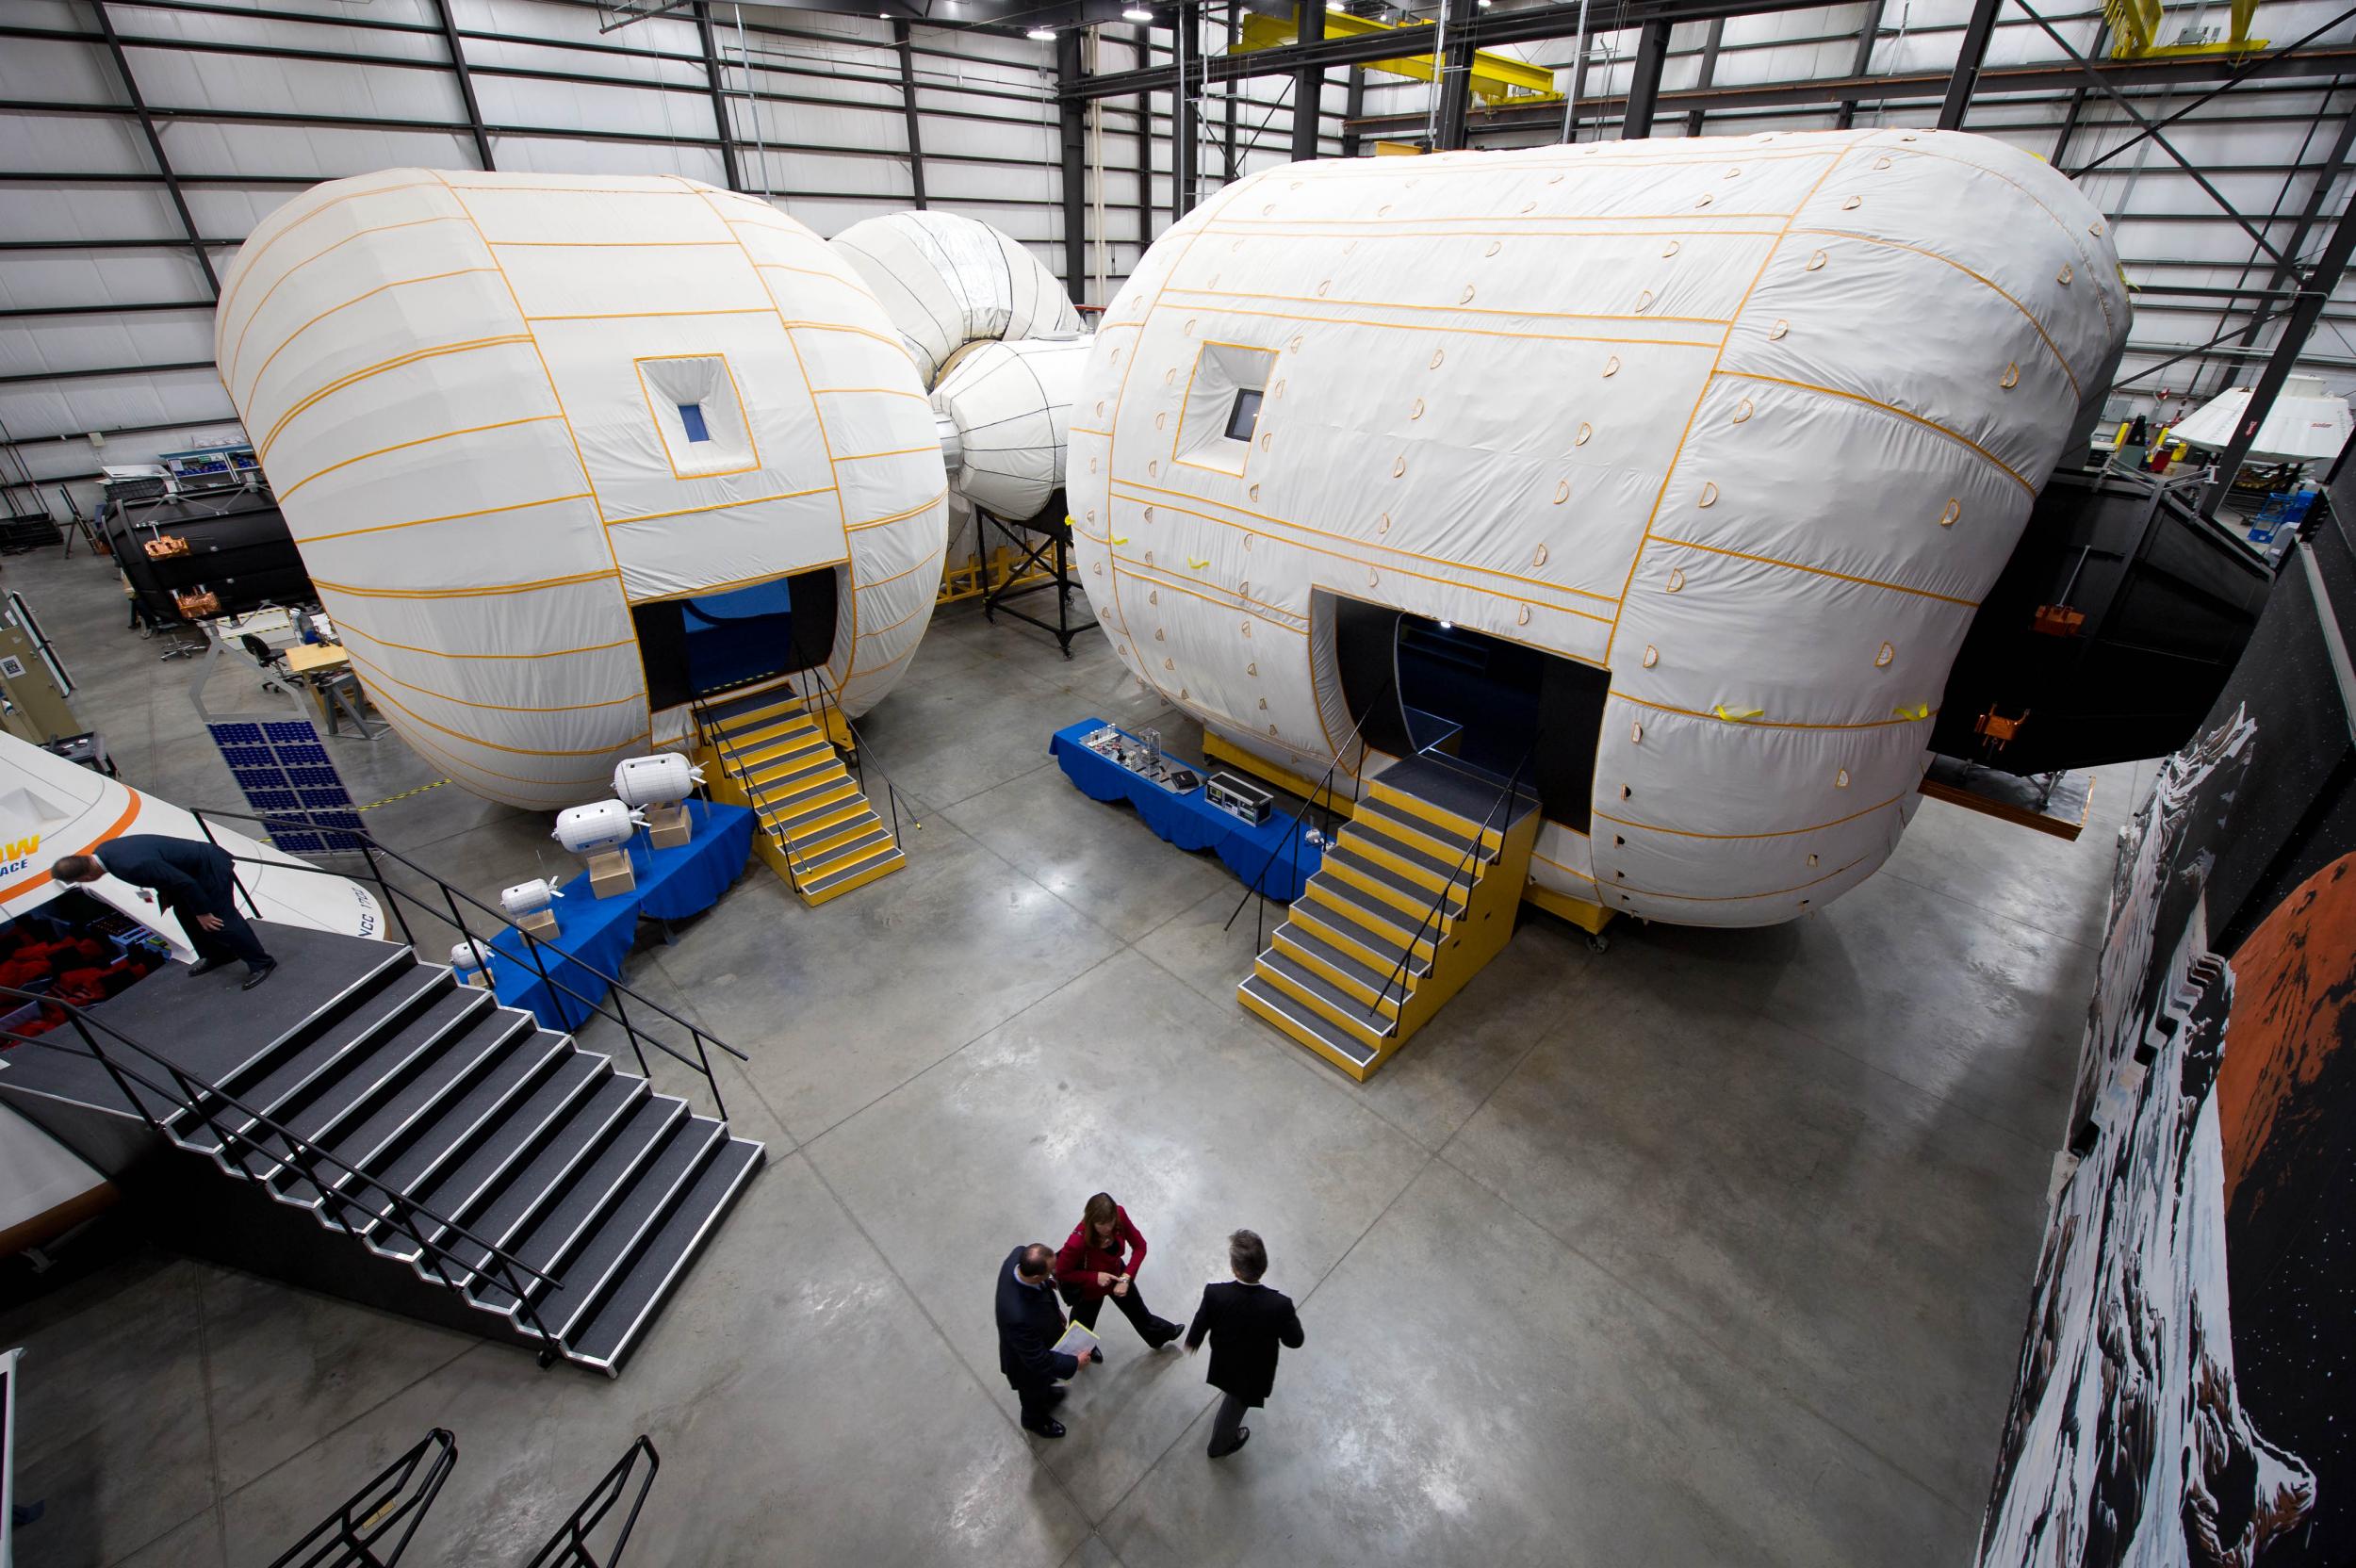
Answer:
(1245, 1321)
(195, 881)
(1030, 1320)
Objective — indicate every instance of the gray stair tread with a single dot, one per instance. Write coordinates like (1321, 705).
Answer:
(585, 1187)
(337, 1097)
(462, 1191)
(793, 825)
(816, 861)
(781, 773)
(274, 1087)
(1374, 811)
(461, 1060)
(786, 802)
(498, 1094)
(1370, 828)
(1306, 912)
(720, 712)
(624, 1228)
(1400, 881)
(1385, 982)
(526, 1190)
(1458, 790)
(1310, 1020)
(1316, 985)
(820, 885)
(630, 1304)
(206, 1027)
(1387, 922)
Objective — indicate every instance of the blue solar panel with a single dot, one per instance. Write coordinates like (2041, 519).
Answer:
(285, 773)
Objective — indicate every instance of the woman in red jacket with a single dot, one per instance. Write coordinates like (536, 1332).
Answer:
(1102, 1258)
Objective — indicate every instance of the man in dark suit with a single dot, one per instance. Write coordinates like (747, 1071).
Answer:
(193, 880)
(1246, 1322)
(1029, 1322)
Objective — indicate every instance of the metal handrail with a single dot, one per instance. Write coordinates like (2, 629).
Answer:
(860, 747)
(204, 1099)
(569, 1546)
(1463, 869)
(370, 849)
(1292, 838)
(707, 722)
(347, 1538)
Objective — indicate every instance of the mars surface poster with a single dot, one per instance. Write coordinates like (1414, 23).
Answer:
(2183, 1388)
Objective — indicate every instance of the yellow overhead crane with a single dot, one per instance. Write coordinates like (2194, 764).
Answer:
(1496, 78)
(2135, 31)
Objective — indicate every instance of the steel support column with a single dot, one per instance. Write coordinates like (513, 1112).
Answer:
(719, 99)
(900, 40)
(1970, 55)
(1072, 112)
(1864, 62)
(1308, 84)
(155, 146)
(1710, 66)
(466, 83)
(2315, 292)
(1227, 144)
(1643, 83)
(1182, 134)
(1455, 63)
(1353, 109)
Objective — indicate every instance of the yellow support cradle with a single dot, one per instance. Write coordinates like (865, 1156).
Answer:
(1496, 78)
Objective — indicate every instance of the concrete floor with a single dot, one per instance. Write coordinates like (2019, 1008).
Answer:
(1712, 1249)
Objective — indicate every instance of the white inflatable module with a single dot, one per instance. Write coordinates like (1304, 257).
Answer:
(1739, 431)
(947, 281)
(1011, 405)
(600, 825)
(529, 898)
(469, 958)
(658, 780)
(505, 413)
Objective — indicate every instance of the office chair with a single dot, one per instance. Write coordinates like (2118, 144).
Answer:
(271, 662)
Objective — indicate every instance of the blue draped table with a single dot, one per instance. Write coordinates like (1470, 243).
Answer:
(594, 934)
(1189, 821)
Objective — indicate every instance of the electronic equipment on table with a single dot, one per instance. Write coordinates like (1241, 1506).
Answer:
(1143, 757)
(1239, 797)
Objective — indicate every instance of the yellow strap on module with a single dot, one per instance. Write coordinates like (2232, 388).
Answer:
(1737, 715)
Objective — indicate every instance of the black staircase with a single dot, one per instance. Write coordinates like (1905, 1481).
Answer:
(444, 1148)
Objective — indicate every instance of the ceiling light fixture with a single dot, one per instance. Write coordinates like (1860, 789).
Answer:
(1137, 13)
(1041, 35)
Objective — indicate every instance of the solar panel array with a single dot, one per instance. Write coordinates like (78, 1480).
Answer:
(287, 776)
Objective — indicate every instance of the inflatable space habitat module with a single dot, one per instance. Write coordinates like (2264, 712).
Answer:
(1668, 474)
(1665, 476)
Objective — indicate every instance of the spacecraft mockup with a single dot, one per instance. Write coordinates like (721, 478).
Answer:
(1666, 475)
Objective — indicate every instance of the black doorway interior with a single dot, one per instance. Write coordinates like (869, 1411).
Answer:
(714, 642)
(1492, 705)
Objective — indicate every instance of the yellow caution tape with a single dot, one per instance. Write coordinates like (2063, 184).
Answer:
(403, 795)
(1735, 715)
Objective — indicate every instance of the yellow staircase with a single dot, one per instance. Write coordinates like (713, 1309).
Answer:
(1365, 958)
(766, 751)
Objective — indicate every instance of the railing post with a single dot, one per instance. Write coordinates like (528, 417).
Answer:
(235, 880)
(621, 1016)
(377, 870)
